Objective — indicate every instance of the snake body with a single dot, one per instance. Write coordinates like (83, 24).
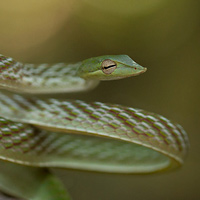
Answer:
(74, 134)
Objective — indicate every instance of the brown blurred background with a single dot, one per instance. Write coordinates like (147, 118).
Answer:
(162, 35)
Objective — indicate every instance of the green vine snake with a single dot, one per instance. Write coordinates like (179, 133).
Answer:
(37, 134)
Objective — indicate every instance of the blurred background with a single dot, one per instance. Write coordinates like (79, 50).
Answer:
(162, 35)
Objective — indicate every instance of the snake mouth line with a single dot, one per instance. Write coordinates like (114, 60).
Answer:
(138, 73)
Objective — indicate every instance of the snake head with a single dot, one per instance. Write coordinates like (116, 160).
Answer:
(109, 67)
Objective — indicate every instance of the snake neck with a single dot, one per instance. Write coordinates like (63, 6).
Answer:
(42, 78)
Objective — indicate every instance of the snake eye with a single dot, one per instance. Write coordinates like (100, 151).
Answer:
(108, 66)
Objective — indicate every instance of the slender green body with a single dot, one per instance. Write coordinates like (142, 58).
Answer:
(36, 134)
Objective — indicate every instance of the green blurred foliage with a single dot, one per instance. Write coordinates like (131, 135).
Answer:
(160, 35)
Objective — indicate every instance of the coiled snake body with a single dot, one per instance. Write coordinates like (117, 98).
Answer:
(36, 134)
